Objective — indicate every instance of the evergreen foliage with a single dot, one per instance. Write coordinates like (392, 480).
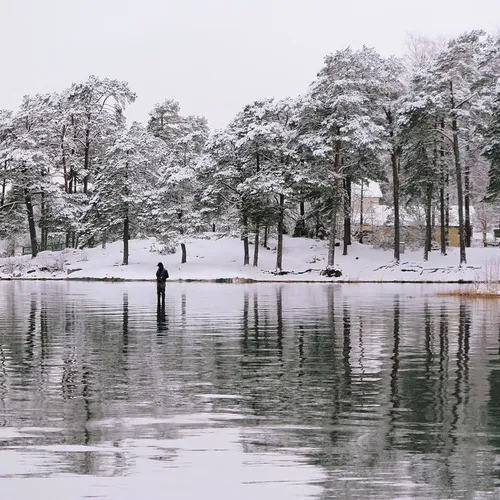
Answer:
(71, 168)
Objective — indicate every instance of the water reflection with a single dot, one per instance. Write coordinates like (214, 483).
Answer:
(339, 392)
(161, 319)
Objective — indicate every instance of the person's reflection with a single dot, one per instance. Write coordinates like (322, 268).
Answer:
(161, 319)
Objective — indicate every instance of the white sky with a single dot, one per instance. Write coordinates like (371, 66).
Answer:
(213, 56)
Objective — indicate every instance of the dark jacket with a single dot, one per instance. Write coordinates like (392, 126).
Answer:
(161, 274)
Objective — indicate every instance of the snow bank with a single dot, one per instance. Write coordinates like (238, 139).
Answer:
(212, 257)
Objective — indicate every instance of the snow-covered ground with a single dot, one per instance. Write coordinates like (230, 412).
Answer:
(211, 257)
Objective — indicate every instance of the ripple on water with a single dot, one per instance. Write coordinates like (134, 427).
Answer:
(278, 390)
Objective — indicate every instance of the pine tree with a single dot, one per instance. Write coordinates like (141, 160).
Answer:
(174, 203)
(454, 81)
(124, 184)
(342, 108)
(30, 169)
(492, 152)
(95, 109)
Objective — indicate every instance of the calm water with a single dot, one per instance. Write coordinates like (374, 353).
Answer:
(263, 391)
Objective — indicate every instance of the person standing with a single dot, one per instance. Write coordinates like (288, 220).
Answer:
(161, 282)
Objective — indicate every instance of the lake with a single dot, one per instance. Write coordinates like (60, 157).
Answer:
(269, 391)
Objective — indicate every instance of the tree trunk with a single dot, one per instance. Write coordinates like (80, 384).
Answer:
(43, 229)
(333, 230)
(71, 173)
(279, 251)
(428, 200)
(361, 208)
(125, 238)
(63, 159)
(257, 229)
(395, 194)
(302, 211)
(125, 218)
(86, 162)
(484, 229)
(335, 203)
(246, 252)
(2, 195)
(44, 238)
(468, 228)
(31, 222)
(442, 198)
(395, 186)
(266, 234)
(442, 221)
(428, 223)
(458, 175)
(300, 225)
(4, 185)
(447, 218)
(184, 253)
(256, 247)
(347, 214)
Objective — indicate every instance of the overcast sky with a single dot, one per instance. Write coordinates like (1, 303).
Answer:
(213, 56)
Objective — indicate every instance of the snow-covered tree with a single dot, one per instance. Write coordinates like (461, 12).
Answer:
(5, 136)
(453, 81)
(95, 111)
(30, 173)
(265, 141)
(224, 173)
(342, 108)
(124, 183)
(492, 152)
(250, 165)
(174, 204)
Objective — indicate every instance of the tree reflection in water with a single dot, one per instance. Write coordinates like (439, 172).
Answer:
(369, 385)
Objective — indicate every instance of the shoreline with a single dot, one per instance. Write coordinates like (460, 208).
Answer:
(240, 281)
(218, 260)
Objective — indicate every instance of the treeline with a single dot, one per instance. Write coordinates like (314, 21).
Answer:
(426, 126)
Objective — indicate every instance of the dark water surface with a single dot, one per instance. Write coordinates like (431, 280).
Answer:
(267, 391)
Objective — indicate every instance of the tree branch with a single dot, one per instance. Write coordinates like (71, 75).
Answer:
(444, 134)
(460, 104)
(11, 204)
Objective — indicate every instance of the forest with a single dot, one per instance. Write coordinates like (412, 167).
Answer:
(425, 126)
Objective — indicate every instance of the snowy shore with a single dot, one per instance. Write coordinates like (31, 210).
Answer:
(213, 258)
